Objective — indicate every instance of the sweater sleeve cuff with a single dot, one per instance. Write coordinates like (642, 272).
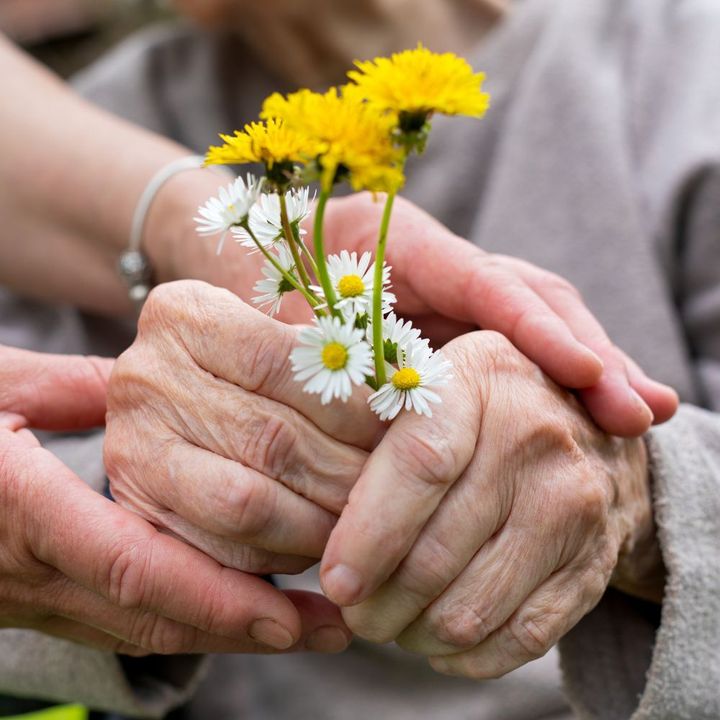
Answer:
(66, 672)
(631, 659)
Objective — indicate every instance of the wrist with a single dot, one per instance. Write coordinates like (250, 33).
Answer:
(170, 235)
(175, 249)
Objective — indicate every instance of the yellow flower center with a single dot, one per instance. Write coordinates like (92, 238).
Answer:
(334, 356)
(351, 286)
(406, 379)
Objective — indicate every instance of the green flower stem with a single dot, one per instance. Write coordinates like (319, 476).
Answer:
(303, 248)
(322, 271)
(290, 237)
(377, 316)
(308, 295)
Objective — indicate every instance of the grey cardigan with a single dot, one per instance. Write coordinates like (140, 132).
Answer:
(600, 160)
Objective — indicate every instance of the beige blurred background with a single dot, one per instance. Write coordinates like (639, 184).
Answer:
(68, 34)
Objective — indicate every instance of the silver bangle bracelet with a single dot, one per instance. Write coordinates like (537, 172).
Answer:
(133, 266)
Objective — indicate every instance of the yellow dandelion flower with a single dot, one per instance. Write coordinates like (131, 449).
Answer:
(413, 84)
(352, 139)
(271, 142)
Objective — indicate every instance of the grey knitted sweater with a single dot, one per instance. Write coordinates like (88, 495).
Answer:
(600, 160)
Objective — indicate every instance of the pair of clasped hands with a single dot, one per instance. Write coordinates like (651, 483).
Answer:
(476, 538)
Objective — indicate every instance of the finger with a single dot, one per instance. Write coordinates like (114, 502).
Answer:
(240, 505)
(474, 509)
(94, 620)
(662, 399)
(231, 554)
(323, 628)
(88, 636)
(485, 292)
(12, 421)
(27, 437)
(439, 330)
(400, 487)
(125, 560)
(548, 614)
(499, 578)
(249, 349)
(562, 297)
(269, 438)
(615, 404)
(54, 392)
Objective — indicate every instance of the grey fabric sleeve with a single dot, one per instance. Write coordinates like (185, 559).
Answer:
(36, 666)
(623, 660)
(670, 665)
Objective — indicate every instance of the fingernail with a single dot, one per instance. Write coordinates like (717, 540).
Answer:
(342, 584)
(594, 356)
(270, 632)
(642, 406)
(327, 639)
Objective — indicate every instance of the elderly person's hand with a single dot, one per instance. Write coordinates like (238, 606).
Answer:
(210, 438)
(75, 565)
(449, 286)
(479, 537)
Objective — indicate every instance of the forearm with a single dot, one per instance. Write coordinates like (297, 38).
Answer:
(71, 177)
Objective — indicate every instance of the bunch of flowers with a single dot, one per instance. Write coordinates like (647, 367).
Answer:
(361, 133)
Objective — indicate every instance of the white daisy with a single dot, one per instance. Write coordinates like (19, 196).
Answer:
(396, 331)
(274, 286)
(353, 281)
(333, 358)
(418, 369)
(230, 208)
(265, 221)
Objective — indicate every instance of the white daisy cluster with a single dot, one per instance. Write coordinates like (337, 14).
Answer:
(337, 352)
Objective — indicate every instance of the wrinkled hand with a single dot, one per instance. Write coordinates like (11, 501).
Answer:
(479, 537)
(210, 438)
(77, 566)
(446, 285)
(449, 286)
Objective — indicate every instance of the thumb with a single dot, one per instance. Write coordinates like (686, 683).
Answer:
(54, 392)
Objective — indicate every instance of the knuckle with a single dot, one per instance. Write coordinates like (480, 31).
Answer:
(549, 439)
(171, 307)
(161, 306)
(270, 443)
(161, 636)
(266, 350)
(426, 455)
(463, 626)
(248, 507)
(134, 378)
(588, 503)
(127, 574)
(495, 351)
(596, 577)
(531, 639)
(426, 576)
(558, 284)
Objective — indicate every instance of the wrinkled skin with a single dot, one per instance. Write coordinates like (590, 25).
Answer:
(482, 536)
(77, 566)
(509, 487)
(449, 286)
